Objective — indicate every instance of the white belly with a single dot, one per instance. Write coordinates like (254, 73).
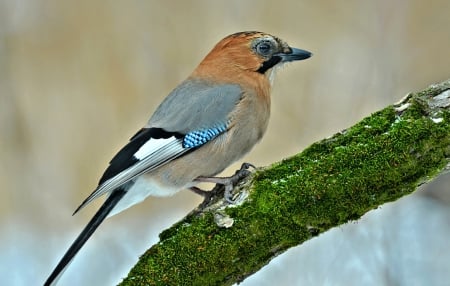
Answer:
(139, 191)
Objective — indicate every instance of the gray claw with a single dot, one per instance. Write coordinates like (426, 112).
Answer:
(228, 182)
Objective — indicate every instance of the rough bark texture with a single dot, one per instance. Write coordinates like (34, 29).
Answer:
(380, 159)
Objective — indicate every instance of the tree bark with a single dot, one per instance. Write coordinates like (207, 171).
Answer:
(380, 159)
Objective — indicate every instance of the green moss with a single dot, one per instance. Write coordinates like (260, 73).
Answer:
(336, 180)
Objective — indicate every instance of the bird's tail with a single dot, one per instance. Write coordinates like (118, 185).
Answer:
(101, 214)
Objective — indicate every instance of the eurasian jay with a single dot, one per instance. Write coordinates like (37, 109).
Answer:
(209, 121)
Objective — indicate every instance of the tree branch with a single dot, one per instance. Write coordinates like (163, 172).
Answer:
(382, 158)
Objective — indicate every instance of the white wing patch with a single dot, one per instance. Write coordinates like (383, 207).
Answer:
(151, 146)
(151, 155)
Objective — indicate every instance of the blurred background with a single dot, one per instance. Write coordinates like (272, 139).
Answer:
(79, 78)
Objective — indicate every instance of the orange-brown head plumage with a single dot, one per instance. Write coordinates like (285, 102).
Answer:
(247, 56)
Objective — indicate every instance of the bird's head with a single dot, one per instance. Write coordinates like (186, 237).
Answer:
(248, 52)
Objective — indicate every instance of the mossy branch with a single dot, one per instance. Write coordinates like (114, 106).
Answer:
(382, 158)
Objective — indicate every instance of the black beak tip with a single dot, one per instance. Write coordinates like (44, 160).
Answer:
(298, 54)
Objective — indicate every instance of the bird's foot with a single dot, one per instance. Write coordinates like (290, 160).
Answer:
(207, 195)
(227, 182)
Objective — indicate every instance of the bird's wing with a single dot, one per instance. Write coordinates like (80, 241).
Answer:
(196, 105)
(193, 114)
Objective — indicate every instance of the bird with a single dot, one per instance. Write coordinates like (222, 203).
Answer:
(209, 121)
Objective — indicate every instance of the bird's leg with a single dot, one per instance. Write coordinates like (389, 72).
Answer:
(227, 182)
(207, 195)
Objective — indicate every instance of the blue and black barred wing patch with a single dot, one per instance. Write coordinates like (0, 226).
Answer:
(199, 137)
(149, 149)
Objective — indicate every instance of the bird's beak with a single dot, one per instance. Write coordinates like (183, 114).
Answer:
(294, 55)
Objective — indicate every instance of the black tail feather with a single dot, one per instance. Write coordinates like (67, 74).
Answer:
(98, 218)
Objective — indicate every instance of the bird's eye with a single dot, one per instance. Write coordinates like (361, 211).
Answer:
(264, 49)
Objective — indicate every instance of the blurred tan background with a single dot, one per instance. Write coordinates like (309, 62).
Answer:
(79, 78)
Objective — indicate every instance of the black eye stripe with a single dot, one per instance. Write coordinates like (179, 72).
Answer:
(269, 64)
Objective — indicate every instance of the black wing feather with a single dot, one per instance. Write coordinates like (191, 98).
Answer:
(125, 157)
